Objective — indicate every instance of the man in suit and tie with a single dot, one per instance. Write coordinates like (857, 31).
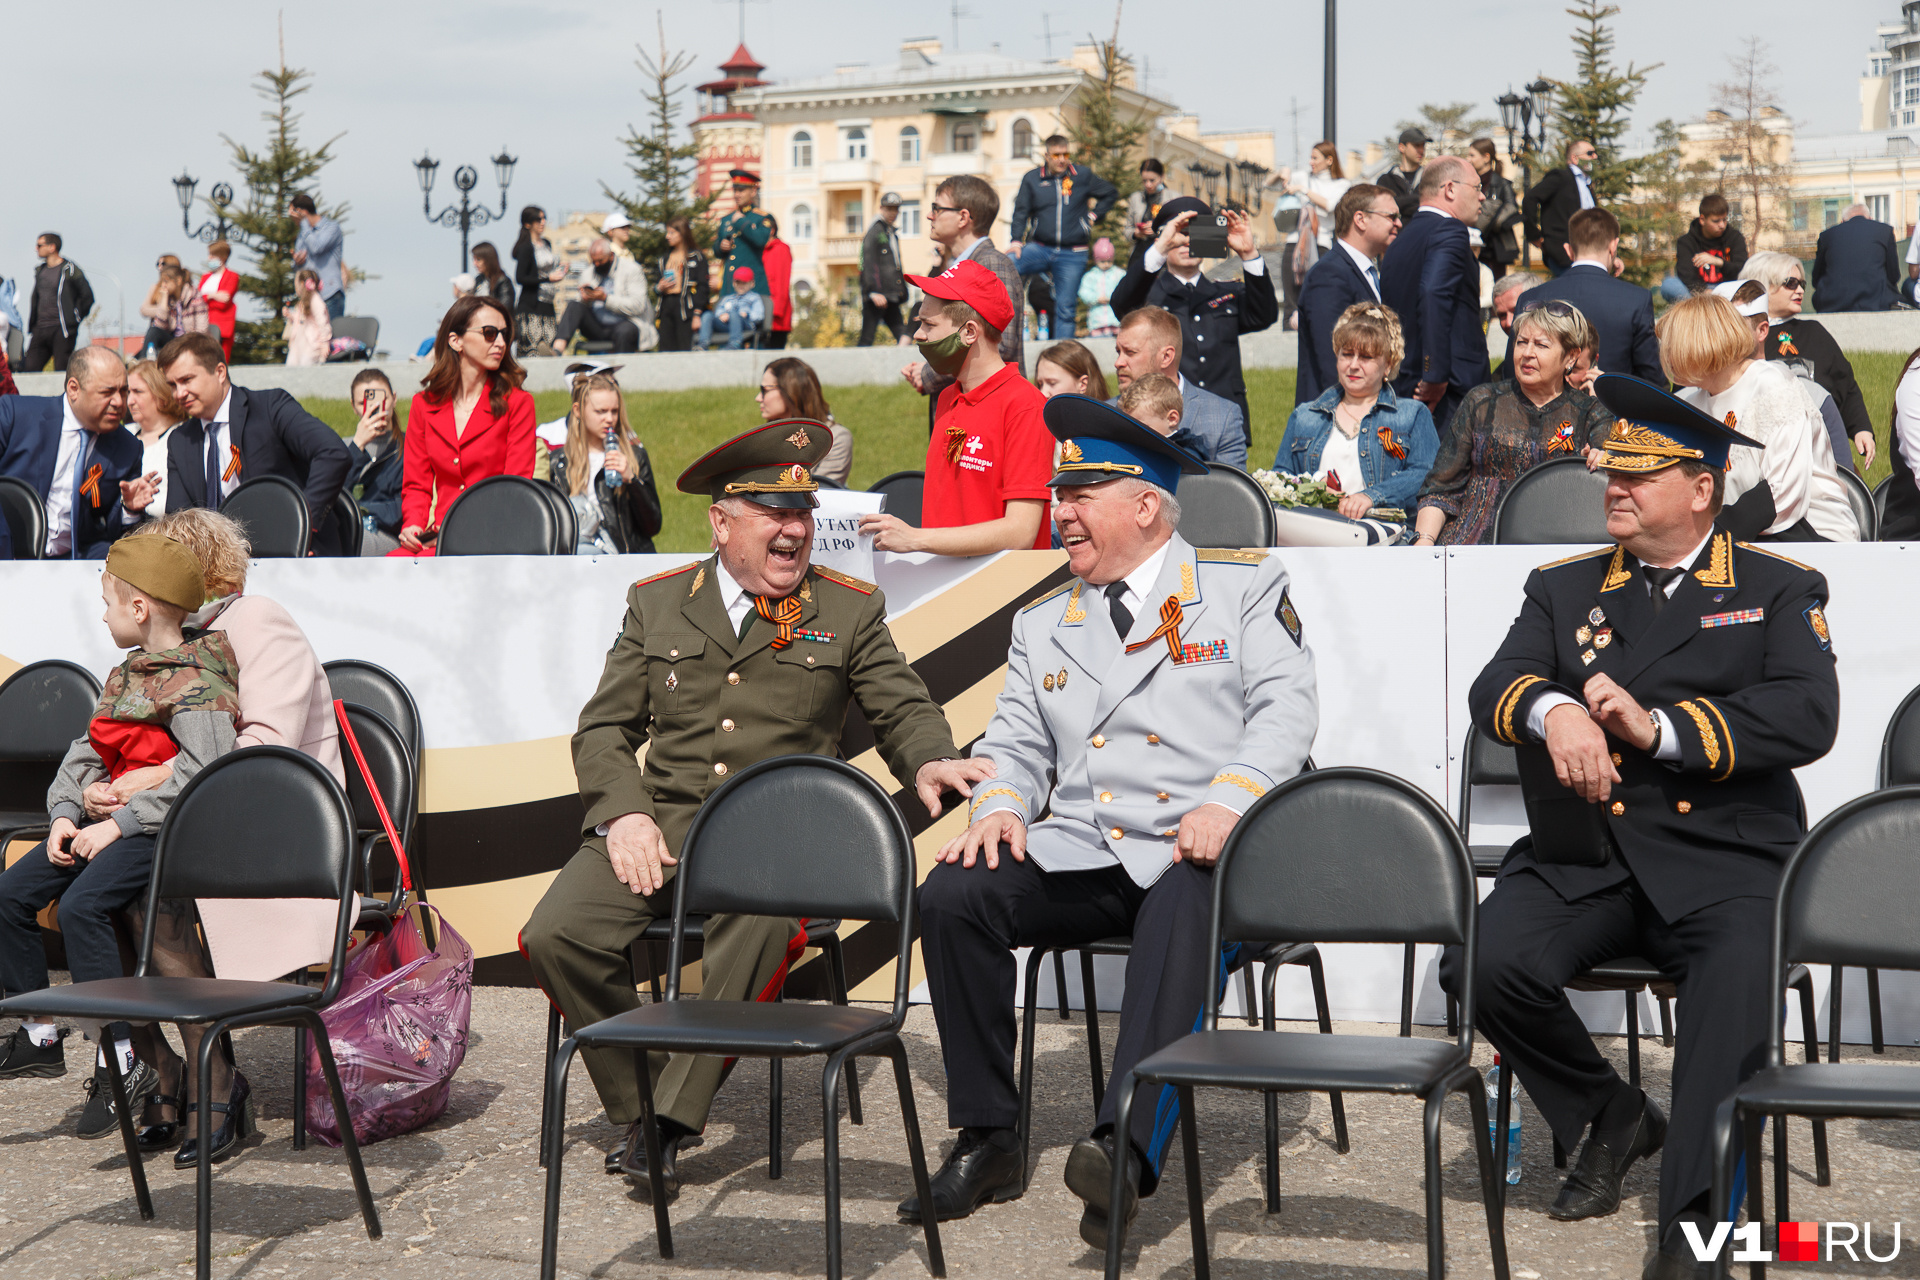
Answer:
(235, 435)
(1621, 313)
(1675, 680)
(1148, 702)
(71, 449)
(1553, 201)
(1365, 222)
(1856, 266)
(1432, 281)
(1211, 427)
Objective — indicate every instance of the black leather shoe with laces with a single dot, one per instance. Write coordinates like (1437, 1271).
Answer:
(99, 1119)
(979, 1170)
(1592, 1190)
(633, 1160)
(1090, 1176)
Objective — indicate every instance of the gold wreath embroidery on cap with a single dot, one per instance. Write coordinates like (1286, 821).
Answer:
(800, 439)
(1070, 452)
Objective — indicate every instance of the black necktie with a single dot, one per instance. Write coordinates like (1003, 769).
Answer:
(1659, 580)
(1122, 616)
(213, 467)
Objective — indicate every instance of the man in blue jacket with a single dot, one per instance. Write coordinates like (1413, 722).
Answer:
(1856, 266)
(1431, 279)
(1366, 220)
(1051, 222)
(1621, 312)
(71, 449)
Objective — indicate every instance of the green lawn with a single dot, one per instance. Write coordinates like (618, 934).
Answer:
(889, 424)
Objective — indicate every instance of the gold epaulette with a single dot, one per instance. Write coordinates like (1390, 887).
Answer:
(1584, 555)
(1221, 555)
(845, 580)
(688, 567)
(1040, 600)
(1777, 556)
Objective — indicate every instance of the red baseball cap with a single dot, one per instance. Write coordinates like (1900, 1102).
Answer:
(973, 284)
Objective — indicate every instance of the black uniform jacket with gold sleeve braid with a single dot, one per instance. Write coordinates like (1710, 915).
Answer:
(706, 703)
(1741, 663)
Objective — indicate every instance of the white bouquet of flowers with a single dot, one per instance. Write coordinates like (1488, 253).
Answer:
(1289, 490)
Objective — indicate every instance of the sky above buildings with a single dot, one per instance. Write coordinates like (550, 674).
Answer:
(102, 115)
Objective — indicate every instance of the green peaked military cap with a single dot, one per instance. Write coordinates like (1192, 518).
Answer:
(771, 465)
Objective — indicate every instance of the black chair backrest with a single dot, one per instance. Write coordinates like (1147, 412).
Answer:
(1345, 855)
(1900, 749)
(363, 684)
(274, 513)
(903, 490)
(261, 822)
(1555, 502)
(365, 328)
(798, 835)
(501, 516)
(1485, 762)
(26, 517)
(1880, 500)
(1866, 512)
(346, 518)
(44, 707)
(567, 539)
(1850, 892)
(1226, 508)
(392, 766)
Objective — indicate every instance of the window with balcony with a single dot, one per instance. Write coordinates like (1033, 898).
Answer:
(909, 217)
(852, 211)
(966, 135)
(803, 150)
(853, 143)
(909, 145)
(1022, 140)
(801, 219)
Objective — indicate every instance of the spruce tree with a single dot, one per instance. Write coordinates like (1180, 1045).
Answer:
(1105, 142)
(273, 174)
(662, 168)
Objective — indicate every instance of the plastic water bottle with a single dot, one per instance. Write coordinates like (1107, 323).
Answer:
(1513, 1121)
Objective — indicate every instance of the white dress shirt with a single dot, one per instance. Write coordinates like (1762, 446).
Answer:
(1585, 186)
(1141, 581)
(216, 431)
(1368, 271)
(733, 596)
(60, 496)
(1157, 261)
(1669, 748)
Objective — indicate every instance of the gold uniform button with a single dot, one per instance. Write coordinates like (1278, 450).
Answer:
(1619, 808)
(673, 653)
(1106, 797)
(733, 677)
(721, 768)
(1153, 739)
(1161, 795)
(727, 726)
(1616, 757)
(1115, 833)
(1099, 739)
(1685, 806)
(809, 659)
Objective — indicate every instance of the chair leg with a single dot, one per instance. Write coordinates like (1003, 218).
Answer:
(1436, 1224)
(342, 1119)
(1317, 975)
(1090, 1000)
(830, 1140)
(203, 1170)
(653, 970)
(1117, 1224)
(837, 969)
(1633, 1038)
(300, 1078)
(1196, 1198)
(1666, 1022)
(1725, 1172)
(1833, 1015)
(1453, 1015)
(1060, 985)
(1246, 995)
(554, 1104)
(1028, 1015)
(1493, 1168)
(650, 1132)
(1502, 1120)
(1406, 993)
(1756, 1193)
(1780, 1188)
(135, 1164)
(1873, 1010)
(1270, 1104)
(776, 1099)
(917, 1156)
(1822, 1175)
(546, 1084)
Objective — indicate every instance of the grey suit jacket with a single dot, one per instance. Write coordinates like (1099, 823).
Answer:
(1219, 424)
(1123, 745)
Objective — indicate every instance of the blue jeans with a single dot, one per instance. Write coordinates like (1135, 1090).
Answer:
(736, 329)
(337, 304)
(1674, 290)
(1065, 266)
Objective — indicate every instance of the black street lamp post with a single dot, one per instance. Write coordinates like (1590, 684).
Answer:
(1253, 178)
(466, 215)
(1526, 112)
(1206, 180)
(215, 228)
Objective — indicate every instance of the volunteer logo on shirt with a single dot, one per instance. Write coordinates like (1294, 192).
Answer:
(970, 459)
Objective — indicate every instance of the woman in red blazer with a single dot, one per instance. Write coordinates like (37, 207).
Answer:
(220, 287)
(470, 421)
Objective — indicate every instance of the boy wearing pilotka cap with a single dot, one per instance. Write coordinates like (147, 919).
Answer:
(173, 699)
(991, 455)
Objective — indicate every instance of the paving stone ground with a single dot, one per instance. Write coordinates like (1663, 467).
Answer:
(463, 1197)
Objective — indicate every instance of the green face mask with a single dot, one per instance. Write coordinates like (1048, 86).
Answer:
(947, 355)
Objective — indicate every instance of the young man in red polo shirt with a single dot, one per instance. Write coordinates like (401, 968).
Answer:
(991, 454)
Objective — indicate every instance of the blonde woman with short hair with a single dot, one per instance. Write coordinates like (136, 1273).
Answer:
(1707, 350)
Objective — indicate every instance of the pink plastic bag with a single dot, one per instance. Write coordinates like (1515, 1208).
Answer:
(399, 1032)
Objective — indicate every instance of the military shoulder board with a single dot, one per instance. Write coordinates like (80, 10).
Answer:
(845, 580)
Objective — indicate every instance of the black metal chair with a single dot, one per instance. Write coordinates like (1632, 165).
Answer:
(1899, 767)
(903, 490)
(567, 542)
(1880, 500)
(44, 707)
(261, 822)
(346, 518)
(1558, 501)
(26, 516)
(365, 684)
(1288, 874)
(274, 514)
(845, 852)
(1865, 512)
(1848, 896)
(502, 516)
(1225, 508)
(365, 328)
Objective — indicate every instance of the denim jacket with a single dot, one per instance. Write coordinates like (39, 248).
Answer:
(1391, 481)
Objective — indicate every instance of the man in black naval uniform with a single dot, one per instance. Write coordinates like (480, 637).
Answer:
(1675, 679)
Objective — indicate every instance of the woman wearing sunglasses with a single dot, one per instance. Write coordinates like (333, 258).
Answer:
(1795, 337)
(469, 421)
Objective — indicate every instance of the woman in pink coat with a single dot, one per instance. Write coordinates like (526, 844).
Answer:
(284, 701)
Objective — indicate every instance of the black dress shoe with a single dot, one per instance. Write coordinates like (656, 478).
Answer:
(236, 1122)
(978, 1171)
(158, 1135)
(1674, 1259)
(633, 1161)
(1592, 1190)
(1090, 1176)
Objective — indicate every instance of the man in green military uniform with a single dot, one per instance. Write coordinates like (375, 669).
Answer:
(748, 654)
(743, 234)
